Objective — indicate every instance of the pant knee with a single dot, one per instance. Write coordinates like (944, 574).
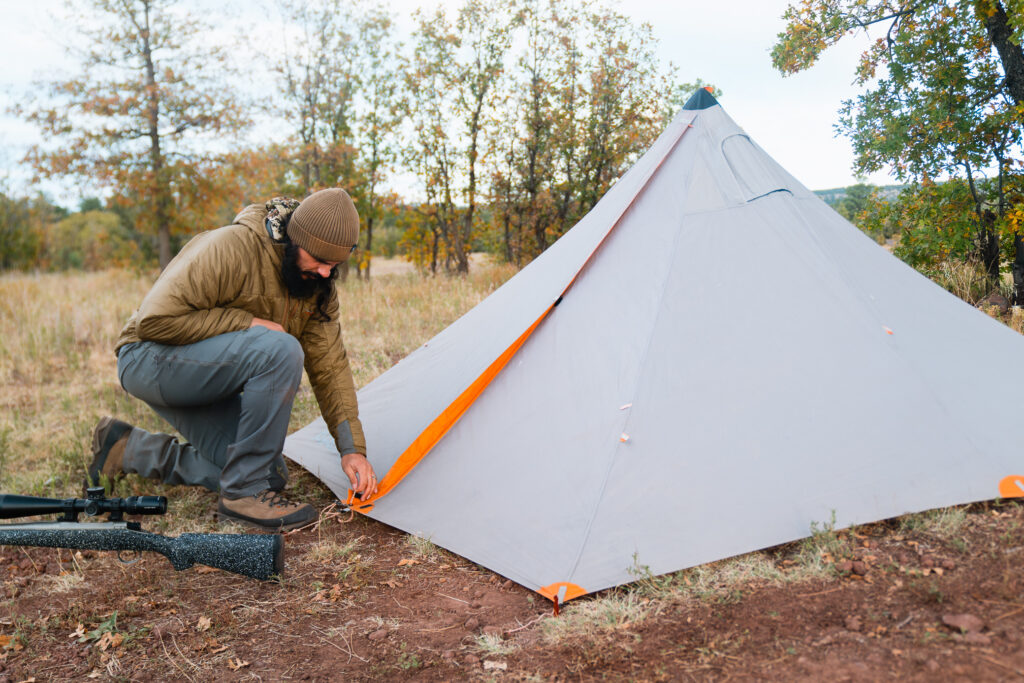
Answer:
(285, 355)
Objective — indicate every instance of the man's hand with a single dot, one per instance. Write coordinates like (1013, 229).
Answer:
(269, 324)
(360, 473)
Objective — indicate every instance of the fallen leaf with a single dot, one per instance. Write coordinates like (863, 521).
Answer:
(499, 666)
(5, 641)
(204, 624)
(219, 650)
(445, 566)
(78, 632)
(109, 640)
(95, 673)
(237, 663)
(406, 562)
(203, 569)
(391, 583)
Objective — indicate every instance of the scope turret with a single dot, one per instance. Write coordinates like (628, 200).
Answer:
(12, 505)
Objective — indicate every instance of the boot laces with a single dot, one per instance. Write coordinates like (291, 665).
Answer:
(274, 499)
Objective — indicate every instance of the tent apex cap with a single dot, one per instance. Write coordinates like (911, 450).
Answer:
(701, 99)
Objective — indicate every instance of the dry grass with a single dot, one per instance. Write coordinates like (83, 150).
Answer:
(58, 371)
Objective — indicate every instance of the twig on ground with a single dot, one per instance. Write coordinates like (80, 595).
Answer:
(34, 565)
(452, 598)
(187, 660)
(811, 595)
(400, 604)
(527, 624)
(350, 652)
(1010, 613)
(998, 663)
(174, 663)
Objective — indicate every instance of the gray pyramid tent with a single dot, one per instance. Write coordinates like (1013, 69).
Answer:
(708, 363)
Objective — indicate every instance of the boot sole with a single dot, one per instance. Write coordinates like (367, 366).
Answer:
(224, 515)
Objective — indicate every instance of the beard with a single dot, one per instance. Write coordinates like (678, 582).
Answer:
(303, 285)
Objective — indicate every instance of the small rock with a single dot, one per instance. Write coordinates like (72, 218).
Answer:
(948, 565)
(853, 623)
(903, 558)
(470, 660)
(379, 634)
(491, 631)
(997, 300)
(978, 639)
(472, 624)
(932, 665)
(927, 561)
(965, 623)
(448, 654)
(508, 584)
(845, 566)
(476, 604)
(860, 568)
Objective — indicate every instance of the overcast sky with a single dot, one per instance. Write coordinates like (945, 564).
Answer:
(726, 44)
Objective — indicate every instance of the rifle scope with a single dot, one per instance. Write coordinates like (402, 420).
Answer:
(12, 506)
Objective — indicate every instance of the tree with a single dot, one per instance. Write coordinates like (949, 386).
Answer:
(143, 114)
(320, 75)
(341, 86)
(379, 119)
(450, 80)
(588, 97)
(943, 98)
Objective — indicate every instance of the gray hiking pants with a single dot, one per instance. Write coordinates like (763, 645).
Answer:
(231, 396)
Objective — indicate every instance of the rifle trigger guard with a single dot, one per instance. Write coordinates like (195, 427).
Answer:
(133, 556)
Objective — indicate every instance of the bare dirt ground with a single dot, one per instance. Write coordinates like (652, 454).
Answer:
(361, 601)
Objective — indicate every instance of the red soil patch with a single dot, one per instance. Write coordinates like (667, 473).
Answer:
(896, 605)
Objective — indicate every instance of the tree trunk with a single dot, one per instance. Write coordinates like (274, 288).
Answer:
(159, 189)
(1010, 54)
(1018, 270)
(369, 244)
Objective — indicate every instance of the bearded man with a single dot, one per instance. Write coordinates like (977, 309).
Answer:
(217, 348)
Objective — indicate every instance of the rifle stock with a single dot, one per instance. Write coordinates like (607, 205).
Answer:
(260, 556)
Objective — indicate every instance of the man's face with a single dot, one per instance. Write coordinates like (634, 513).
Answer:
(312, 267)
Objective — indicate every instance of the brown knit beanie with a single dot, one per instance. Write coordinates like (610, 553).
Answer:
(326, 225)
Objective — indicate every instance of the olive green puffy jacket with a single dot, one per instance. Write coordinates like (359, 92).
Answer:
(224, 278)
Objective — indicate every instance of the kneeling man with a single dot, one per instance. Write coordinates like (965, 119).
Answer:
(217, 348)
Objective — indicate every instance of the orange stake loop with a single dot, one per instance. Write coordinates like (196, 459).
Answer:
(1012, 487)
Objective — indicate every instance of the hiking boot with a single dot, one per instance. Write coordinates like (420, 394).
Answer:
(108, 442)
(267, 510)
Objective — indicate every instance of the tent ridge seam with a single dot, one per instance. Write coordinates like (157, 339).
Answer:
(618, 445)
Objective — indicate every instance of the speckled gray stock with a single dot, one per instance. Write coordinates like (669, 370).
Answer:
(260, 556)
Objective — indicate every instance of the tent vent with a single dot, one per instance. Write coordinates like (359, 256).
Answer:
(755, 172)
(753, 199)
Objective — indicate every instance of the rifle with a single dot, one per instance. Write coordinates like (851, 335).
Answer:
(260, 556)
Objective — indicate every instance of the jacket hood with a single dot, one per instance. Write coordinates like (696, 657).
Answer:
(252, 217)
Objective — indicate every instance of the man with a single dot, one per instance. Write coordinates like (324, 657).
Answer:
(217, 348)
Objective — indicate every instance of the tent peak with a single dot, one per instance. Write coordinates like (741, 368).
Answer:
(701, 99)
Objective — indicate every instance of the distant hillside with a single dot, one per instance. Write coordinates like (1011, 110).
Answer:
(837, 194)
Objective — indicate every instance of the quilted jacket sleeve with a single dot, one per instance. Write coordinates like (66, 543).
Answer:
(331, 378)
(188, 302)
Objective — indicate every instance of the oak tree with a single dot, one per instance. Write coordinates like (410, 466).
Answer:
(145, 115)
